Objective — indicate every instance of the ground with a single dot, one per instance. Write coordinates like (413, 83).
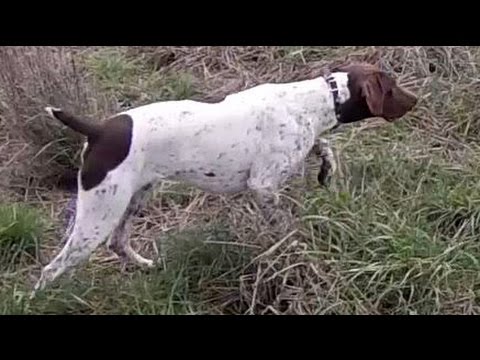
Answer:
(396, 233)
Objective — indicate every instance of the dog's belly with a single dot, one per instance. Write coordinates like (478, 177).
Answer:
(212, 171)
(230, 182)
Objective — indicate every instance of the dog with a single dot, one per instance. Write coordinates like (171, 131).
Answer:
(251, 140)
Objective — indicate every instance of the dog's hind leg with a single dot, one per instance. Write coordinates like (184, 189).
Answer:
(99, 212)
(119, 242)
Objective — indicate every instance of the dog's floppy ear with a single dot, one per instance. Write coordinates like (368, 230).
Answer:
(374, 88)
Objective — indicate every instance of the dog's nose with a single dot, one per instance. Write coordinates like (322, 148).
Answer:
(414, 101)
(412, 97)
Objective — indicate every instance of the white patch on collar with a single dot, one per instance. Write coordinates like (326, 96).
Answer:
(341, 78)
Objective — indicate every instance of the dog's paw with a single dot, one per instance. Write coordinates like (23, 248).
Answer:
(149, 264)
(280, 219)
(39, 286)
(130, 265)
(142, 262)
(327, 168)
(324, 176)
(51, 111)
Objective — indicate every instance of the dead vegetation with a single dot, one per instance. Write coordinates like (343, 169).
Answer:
(396, 234)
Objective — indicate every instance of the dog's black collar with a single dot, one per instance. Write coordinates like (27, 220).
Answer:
(332, 84)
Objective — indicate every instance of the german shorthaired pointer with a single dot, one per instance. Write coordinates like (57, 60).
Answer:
(252, 140)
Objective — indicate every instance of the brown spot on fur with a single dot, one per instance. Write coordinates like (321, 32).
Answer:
(106, 151)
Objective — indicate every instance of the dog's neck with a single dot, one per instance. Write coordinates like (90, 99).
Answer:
(350, 104)
(340, 92)
(332, 84)
(335, 93)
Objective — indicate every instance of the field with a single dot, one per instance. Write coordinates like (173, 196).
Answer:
(397, 232)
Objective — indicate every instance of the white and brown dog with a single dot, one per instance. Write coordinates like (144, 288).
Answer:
(252, 140)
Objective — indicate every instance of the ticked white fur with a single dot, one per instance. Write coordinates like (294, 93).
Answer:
(183, 140)
(252, 140)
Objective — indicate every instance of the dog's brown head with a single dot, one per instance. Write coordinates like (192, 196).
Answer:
(373, 93)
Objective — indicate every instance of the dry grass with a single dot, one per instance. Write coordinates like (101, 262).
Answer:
(40, 150)
(396, 233)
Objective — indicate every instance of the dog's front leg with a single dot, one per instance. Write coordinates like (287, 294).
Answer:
(328, 166)
(268, 202)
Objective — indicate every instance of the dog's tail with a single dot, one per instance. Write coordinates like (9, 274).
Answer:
(80, 125)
